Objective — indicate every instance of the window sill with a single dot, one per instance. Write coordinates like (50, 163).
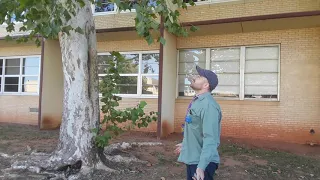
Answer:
(19, 94)
(112, 13)
(136, 96)
(234, 101)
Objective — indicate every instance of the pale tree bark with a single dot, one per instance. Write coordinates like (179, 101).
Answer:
(81, 94)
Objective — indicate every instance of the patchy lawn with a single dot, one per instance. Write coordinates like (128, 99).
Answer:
(240, 159)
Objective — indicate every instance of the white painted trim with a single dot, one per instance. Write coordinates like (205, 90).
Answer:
(242, 71)
(177, 74)
(20, 75)
(139, 75)
(208, 58)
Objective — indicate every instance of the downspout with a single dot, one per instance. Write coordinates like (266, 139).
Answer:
(41, 80)
(159, 126)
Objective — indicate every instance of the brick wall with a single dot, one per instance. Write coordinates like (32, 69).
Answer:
(15, 109)
(152, 105)
(244, 8)
(213, 11)
(132, 45)
(299, 108)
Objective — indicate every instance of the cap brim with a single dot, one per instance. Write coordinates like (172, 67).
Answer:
(200, 71)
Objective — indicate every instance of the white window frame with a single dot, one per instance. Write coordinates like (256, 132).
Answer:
(139, 75)
(242, 71)
(115, 11)
(4, 58)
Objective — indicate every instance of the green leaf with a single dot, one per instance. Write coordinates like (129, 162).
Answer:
(81, 2)
(149, 39)
(66, 29)
(142, 104)
(8, 38)
(79, 30)
(194, 28)
(162, 41)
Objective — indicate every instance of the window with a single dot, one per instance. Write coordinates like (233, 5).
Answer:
(109, 7)
(139, 74)
(19, 75)
(245, 72)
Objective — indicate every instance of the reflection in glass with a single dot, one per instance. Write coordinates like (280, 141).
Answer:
(128, 85)
(131, 64)
(150, 85)
(105, 6)
(150, 63)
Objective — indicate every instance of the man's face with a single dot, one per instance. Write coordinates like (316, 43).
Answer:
(198, 83)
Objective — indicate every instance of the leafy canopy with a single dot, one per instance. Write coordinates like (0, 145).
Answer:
(46, 18)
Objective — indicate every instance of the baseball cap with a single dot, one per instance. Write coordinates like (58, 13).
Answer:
(210, 75)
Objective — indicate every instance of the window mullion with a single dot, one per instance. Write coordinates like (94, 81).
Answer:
(3, 73)
(242, 69)
(139, 85)
(20, 76)
(208, 58)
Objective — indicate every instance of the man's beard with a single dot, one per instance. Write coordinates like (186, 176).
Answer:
(194, 87)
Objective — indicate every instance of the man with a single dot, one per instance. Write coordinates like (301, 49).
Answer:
(201, 138)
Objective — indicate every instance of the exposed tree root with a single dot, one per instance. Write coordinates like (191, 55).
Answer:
(54, 167)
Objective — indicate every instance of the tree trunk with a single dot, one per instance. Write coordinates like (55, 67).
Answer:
(81, 93)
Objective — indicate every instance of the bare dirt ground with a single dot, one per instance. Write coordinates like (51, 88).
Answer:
(240, 159)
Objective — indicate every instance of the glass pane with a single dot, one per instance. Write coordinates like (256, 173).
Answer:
(262, 52)
(128, 85)
(102, 69)
(13, 62)
(104, 59)
(262, 66)
(31, 61)
(225, 54)
(184, 80)
(105, 7)
(11, 88)
(227, 91)
(0, 83)
(261, 79)
(30, 88)
(195, 55)
(150, 63)
(11, 80)
(30, 70)
(1, 71)
(150, 85)
(229, 79)
(190, 68)
(1, 63)
(221, 67)
(29, 80)
(186, 90)
(12, 70)
(131, 64)
(261, 90)
(152, 3)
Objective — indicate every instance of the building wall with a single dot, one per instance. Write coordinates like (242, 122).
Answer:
(16, 108)
(220, 10)
(244, 8)
(298, 110)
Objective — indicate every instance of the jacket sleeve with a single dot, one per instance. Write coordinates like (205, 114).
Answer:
(211, 126)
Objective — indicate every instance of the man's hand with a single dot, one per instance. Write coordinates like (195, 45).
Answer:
(199, 174)
(178, 149)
